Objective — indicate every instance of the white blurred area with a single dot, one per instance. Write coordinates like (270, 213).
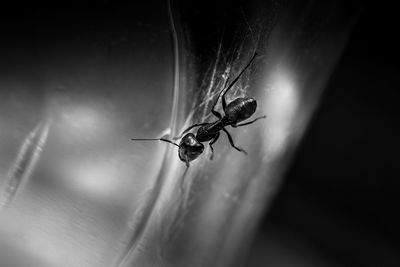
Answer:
(73, 206)
(281, 103)
(70, 200)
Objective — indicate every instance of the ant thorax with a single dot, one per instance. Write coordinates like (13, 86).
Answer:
(208, 132)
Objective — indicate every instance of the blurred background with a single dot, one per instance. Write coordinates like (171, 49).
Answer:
(339, 203)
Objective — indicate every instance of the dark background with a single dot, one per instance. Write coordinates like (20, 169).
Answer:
(339, 203)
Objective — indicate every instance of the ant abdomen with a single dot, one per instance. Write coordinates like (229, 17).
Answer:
(240, 109)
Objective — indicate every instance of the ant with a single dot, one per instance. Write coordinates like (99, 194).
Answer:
(236, 111)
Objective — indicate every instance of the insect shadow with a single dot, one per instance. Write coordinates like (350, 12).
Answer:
(190, 147)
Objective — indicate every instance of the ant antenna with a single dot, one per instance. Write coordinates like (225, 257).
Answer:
(154, 139)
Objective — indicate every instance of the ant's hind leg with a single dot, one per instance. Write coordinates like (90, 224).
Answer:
(213, 110)
(211, 143)
(231, 142)
(234, 81)
(247, 123)
(216, 113)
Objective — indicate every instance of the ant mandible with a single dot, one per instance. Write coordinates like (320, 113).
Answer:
(236, 111)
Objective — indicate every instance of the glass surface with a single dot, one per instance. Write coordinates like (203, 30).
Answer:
(75, 191)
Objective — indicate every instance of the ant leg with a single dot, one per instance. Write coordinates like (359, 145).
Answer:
(231, 142)
(213, 110)
(211, 143)
(247, 123)
(216, 113)
(188, 129)
(234, 81)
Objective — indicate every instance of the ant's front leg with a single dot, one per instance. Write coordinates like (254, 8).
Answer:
(247, 123)
(211, 143)
(231, 142)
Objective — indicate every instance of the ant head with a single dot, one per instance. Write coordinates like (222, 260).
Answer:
(190, 148)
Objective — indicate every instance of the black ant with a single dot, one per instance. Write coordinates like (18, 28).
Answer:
(236, 111)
